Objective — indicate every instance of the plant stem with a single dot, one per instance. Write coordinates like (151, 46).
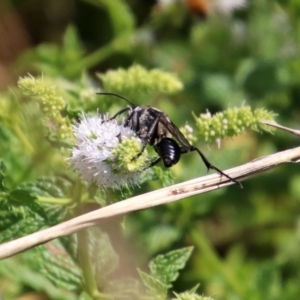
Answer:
(85, 263)
(87, 267)
(50, 200)
(102, 53)
(84, 259)
(19, 133)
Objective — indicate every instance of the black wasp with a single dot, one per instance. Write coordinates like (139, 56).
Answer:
(155, 128)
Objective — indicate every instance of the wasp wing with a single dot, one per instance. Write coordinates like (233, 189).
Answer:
(174, 130)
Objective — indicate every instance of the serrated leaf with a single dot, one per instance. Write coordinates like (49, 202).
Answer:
(17, 228)
(70, 245)
(20, 214)
(104, 258)
(155, 286)
(18, 219)
(21, 195)
(8, 223)
(58, 266)
(123, 289)
(165, 267)
(21, 271)
(56, 187)
(28, 205)
(55, 214)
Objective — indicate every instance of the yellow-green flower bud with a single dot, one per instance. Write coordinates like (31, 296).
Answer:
(51, 104)
(137, 81)
(126, 151)
(231, 122)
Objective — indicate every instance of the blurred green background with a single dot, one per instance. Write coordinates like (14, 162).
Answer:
(226, 54)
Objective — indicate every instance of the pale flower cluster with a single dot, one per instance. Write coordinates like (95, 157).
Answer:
(93, 156)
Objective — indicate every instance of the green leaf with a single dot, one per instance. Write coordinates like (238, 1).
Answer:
(164, 176)
(121, 16)
(165, 267)
(160, 237)
(22, 196)
(155, 286)
(53, 60)
(17, 220)
(124, 288)
(22, 271)
(55, 187)
(190, 296)
(2, 176)
(195, 288)
(268, 280)
(71, 42)
(104, 258)
(26, 204)
(20, 214)
(58, 266)
(70, 245)
(85, 296)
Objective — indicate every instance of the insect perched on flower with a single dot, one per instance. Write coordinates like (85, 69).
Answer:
(155, 128)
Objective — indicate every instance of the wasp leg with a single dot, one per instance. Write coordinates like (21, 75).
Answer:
(148, 138)
(119, 113)
(155, 162)
(185, 149)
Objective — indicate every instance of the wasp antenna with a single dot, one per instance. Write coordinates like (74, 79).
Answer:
(116, 95)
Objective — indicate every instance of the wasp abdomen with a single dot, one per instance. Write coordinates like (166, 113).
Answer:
(169, 151)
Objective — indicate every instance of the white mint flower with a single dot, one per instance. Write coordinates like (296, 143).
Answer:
(104, 150)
